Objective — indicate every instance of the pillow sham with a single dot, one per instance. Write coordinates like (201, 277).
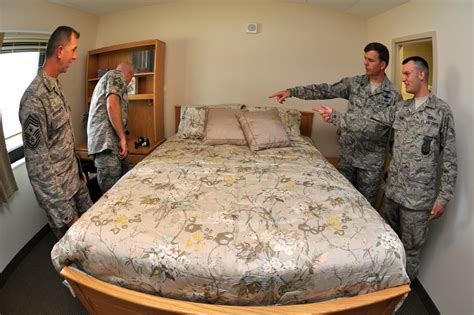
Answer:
(263, 129)
(291, 118)
(192, 122)
(223, 127)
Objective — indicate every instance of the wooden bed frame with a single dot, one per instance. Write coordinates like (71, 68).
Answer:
(100, 297)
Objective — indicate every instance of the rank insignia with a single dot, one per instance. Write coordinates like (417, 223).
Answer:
(425, 148)
(32, 132)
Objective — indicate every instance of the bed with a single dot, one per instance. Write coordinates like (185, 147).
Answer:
(197, 228)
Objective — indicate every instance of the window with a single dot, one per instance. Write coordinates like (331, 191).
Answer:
(20, 56)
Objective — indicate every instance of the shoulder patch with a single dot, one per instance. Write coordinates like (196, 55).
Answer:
(32, 132)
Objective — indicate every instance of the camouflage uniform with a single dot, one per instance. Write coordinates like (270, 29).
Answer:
(52, 165)
(109, 168)
(102, 141)
(421, 135)
(362, 143)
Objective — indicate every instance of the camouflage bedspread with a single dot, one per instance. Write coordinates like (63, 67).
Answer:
(223, 224)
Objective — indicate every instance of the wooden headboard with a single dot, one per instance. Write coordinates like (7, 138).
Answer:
(306, 126)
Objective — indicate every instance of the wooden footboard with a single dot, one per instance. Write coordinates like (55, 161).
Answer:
(100, 297)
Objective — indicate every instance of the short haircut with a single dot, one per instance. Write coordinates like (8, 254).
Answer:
(384, 55)
(420, 63)
(60, 36)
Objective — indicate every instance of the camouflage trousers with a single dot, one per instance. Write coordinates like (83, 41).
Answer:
(412, 228)
(367, 182)
(81, 202)
(109, 169)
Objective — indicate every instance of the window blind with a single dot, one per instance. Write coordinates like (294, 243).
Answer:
(25, 42)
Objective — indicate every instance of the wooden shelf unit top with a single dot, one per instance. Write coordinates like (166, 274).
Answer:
(131, 45)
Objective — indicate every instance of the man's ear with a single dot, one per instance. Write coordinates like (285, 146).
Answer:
(383, 65)
(59, 51)
(421, 75)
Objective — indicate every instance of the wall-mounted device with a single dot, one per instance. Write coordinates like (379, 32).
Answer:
(252, 28)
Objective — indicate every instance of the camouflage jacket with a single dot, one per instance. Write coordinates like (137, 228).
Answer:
(362, 142)
(100, 132)
(420, 136)
(49, 148)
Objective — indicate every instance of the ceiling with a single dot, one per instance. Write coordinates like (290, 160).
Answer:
(361, 8)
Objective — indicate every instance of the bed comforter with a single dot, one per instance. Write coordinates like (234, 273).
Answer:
(222, 224)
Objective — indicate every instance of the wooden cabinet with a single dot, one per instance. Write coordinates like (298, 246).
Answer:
(145, 107)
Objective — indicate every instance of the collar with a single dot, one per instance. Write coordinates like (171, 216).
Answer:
(118, 73)
(430, 102)
(48, 81)
(385, 85)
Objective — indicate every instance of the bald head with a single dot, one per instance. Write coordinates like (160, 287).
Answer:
(127, 69)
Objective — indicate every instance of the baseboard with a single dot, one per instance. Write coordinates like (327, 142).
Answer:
(424, 297)
(13, 264)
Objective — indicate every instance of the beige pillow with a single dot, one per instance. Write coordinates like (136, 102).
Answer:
(263, 129)
(222, 127)
(291, 118)
(193, 119)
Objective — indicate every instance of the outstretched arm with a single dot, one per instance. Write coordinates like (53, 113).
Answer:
(281, 96)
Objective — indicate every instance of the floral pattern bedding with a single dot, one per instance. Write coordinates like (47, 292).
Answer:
(223, 224)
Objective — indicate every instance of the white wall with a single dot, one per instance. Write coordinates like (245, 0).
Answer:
(210, 59)
(447, 262)
(22, 218)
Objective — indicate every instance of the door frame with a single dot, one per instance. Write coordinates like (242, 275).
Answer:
(397, 44)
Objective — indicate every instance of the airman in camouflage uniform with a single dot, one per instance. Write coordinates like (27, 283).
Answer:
(53, 168)
(423, 130)
(362, 142)
(106, 125)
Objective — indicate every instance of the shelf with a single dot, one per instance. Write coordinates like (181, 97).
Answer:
(142, 74)
(134, 155)
(81, 150)
(133, 97)
(141, 150)
(139, 97)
